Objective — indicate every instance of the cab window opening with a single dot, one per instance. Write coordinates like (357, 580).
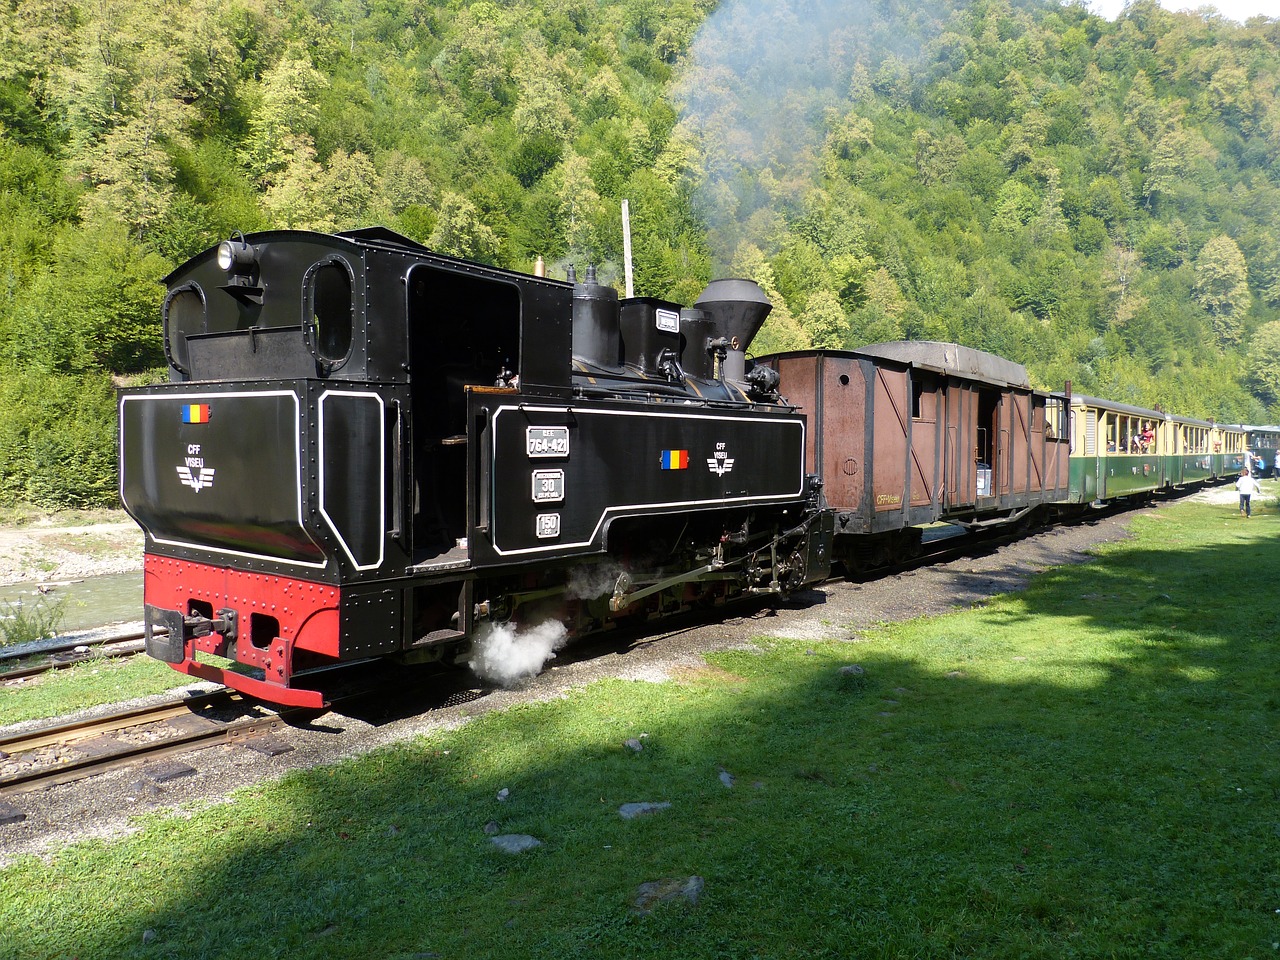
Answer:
(183, 316)
(330, 311)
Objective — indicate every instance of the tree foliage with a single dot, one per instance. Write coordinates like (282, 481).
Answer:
(1264, 362)
(1098, 200)
(1095, 199)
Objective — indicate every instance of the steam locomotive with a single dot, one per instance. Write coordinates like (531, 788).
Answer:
(366, 449)
(369, 450)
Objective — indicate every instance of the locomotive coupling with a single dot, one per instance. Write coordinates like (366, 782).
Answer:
(167, 631)
(225, 624)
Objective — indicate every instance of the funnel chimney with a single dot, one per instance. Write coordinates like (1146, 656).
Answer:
(738, 309)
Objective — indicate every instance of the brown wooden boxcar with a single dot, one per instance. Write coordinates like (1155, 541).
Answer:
(914, 432)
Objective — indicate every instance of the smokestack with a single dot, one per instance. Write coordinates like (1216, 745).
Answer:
(738, 309)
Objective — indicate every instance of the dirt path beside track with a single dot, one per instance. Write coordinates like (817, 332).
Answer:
(52, 550)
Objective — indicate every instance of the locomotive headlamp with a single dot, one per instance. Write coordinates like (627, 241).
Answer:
(236, 256)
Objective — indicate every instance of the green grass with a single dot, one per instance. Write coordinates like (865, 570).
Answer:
(1084, 769)
(88, 684)
(27, 514)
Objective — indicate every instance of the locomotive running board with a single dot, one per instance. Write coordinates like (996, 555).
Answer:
(455, 558)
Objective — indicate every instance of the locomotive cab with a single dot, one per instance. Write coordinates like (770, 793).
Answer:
(463, 333)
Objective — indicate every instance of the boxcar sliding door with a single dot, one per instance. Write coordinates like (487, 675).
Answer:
(962, 449)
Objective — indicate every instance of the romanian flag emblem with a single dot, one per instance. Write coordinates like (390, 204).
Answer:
(675, 459)
(195, 413)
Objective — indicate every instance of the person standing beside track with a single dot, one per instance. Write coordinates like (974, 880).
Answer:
(1246, 486)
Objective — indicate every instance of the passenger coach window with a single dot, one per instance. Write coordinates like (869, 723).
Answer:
(330, 311)
(183, 316)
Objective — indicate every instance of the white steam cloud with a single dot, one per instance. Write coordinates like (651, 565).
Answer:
(593, 580)
(759, 86)
(507, 656)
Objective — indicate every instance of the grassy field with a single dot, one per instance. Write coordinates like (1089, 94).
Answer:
(89, 684)
(1085, 769)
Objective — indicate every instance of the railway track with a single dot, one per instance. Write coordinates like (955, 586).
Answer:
(63, 752)
(956, 546)
(27, 660)
(35, 660)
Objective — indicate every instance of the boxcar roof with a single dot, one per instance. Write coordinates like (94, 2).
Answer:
(952, 359)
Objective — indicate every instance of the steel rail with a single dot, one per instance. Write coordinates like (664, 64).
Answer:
(70, 731)
(42, 777)
(187, 730)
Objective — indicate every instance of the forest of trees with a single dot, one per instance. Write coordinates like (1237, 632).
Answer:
(1097, 200)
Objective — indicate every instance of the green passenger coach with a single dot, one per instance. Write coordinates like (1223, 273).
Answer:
(1120, 451)
(1115, 449)
(1198, 452)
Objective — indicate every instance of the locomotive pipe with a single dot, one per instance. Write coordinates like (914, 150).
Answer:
(597, 337)
(623, 597)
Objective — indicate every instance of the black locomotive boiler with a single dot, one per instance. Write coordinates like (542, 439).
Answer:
(366, 449)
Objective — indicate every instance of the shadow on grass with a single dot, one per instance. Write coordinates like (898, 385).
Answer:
(1084, 769)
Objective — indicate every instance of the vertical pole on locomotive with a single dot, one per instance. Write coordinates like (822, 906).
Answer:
(626, 246)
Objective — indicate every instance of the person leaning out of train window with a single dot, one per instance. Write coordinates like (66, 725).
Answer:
(1148, 435)
(1246, 486)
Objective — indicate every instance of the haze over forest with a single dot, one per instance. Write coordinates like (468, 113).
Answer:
(1098, 199)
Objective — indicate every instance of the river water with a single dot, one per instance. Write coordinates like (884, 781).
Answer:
(91, 602)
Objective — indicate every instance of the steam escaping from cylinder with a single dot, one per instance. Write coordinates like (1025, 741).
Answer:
(508, 656)
(593, 580)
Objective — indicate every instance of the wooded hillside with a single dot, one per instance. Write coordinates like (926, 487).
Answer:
(1097, 200)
